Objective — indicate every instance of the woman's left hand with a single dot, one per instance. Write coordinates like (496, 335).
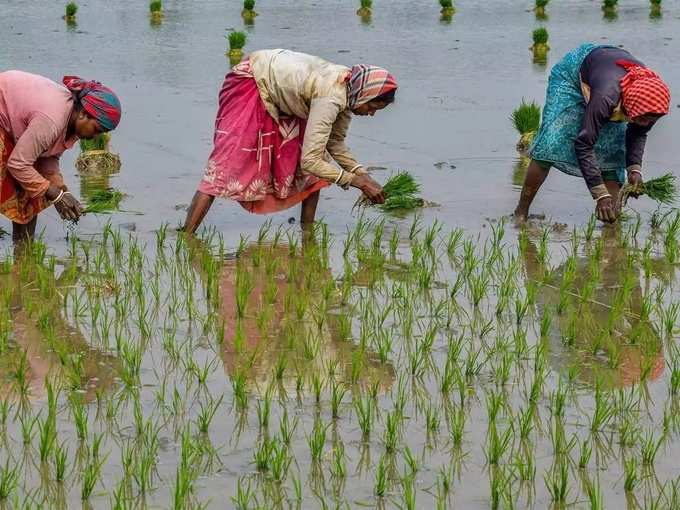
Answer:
(635, 180)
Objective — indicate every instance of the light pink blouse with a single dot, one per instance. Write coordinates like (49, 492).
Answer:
(34, 112)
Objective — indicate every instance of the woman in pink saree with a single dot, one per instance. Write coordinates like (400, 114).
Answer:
(283, 118)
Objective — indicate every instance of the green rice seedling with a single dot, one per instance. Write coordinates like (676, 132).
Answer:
(339, 463)
(263, 453)
(650, 448)
(526, 423)
(206, 414)
(338, 392)
(408, 492)
(60, 460)
(71, 10)
(497, 445)
(392, 433)
(595, 495)
(365, 8)
(238, 383)
(287, 428)
(245, 495)
(410, 461)
(585, 452)
(602, 413)
(237, 40)
(47, 435)
(91, 475)
(156, 8)
(432, 419)
(557, 482)
(9, 479)
(630, 474)
(526, 119)
(363, 407)
(381, 478)
(27, 427)
(264, 411)
(280, 461)
(316, 440)
(669, 317)
(95, 157)
(655, 9)
(526, 466)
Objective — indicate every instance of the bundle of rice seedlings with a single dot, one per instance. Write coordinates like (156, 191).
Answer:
(540, 8)
(104, 200)
(156, 10)
(248, 9)
(447, 7)
(401, 193)
(655, 8)
(237, 40)
(95, 156)
(526, 119)
(71, 10)
(662, 189)
(366, 8)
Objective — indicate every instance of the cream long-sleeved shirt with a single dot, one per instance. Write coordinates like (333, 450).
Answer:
(310, 88)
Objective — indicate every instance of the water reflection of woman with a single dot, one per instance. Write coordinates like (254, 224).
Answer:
(635, 345)
(280, 282)
(39, 331)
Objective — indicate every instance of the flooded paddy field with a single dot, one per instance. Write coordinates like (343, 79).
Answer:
(445, 359)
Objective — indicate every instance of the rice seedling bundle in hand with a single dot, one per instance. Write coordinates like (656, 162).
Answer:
(662, 189)
(401, 193)
(526, 119)
(104, 200)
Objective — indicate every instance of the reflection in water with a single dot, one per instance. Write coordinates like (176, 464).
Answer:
(37, 340)
(598, 313)
(519, 171)
(283, 323)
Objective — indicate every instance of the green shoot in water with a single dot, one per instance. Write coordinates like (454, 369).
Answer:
(526, 118)
(248, 5)
(156, 7)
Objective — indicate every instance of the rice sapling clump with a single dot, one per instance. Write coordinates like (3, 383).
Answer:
(540, 46)
(156, 10)
(447, 7)
(609, 8)
(71, 10)
(662, 189)
(96, 157)
(248, 13)
(104, 200)
(237, 40)
(655, 6)
(365, 10)
(540, 9)
(526, 119)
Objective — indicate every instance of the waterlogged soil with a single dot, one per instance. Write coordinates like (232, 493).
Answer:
(145, 338)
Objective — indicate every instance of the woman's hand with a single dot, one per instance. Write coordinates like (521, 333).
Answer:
(369, 187)
(68, 206)
(635, 179)
(606, 210)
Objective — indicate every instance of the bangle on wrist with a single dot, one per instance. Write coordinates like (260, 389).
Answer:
(634, 171)
(607, 195)
(355, 168)
(337, 179)
(59, 197)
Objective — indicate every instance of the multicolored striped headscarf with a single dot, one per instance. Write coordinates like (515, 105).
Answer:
(98, 101)
(368, 82)
(643, 91)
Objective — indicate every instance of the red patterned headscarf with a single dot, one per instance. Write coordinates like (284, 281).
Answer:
(368, 82)
(98, 101)
(643, 91)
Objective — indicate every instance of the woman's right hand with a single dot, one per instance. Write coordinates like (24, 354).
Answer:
(68, 206)
(369, 187)
(606, 210)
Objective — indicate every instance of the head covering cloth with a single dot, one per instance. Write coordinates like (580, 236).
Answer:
(100, 102)
(643, 91)
(366, 83)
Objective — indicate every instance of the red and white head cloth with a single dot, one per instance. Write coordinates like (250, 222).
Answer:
(367, 83)
(643, 91)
